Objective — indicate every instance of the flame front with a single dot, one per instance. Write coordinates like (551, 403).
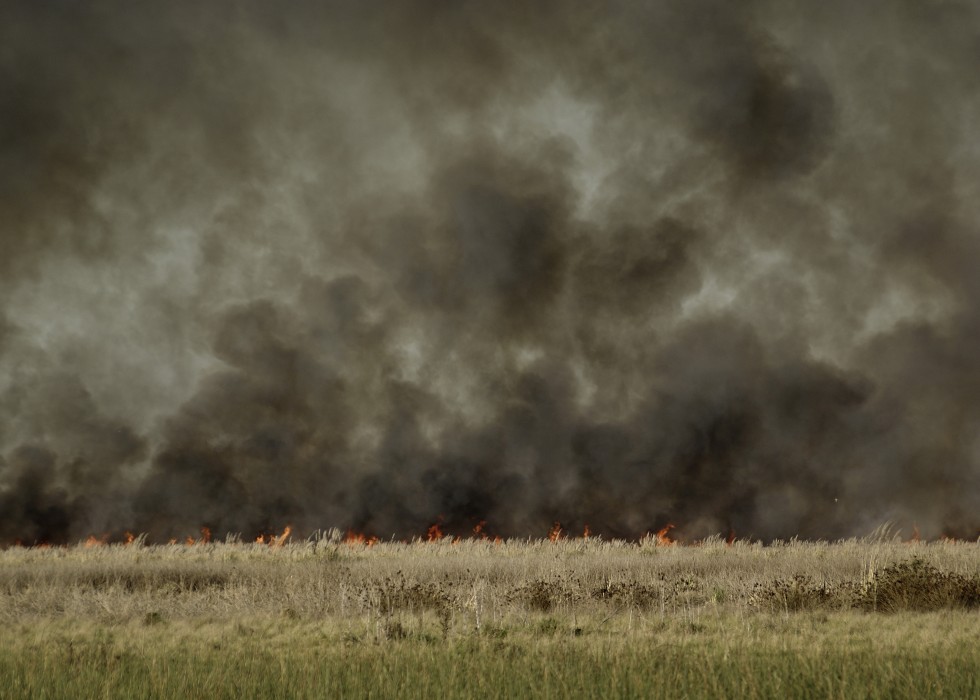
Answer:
(434, 533)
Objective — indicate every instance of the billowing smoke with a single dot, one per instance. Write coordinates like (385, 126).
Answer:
(382, 265)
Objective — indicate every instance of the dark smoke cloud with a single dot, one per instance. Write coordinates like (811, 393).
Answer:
(705, 262)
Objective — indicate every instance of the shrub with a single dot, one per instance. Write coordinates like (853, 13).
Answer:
(794, 594)
(918, 586)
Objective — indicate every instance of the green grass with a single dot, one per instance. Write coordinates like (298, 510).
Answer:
(842, 655)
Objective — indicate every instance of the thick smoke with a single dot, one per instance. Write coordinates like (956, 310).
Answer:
(380, 266)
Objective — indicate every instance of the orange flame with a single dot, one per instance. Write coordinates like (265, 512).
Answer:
(93, 541)
(435, 533)
(586, 532)
(130, 538)
(915, 534)
(190, 541)
(281, 539)
(355, 538)
(663, 539)
(478, 530)
(554, 534)
(730, 540)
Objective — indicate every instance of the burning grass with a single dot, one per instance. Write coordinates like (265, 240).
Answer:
(334, 610)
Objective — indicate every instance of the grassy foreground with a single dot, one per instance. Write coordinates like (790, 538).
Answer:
(582, 618)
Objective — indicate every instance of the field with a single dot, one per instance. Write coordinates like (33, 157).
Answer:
(578, 617)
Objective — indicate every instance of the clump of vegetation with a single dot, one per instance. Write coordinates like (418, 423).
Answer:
(543, 595)
(916, 585)
(913, 585)
(392, 595)
(631, 593)
(396, 593)
(152, 618)
(799, 593)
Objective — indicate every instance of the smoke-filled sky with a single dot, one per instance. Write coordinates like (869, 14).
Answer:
(380, 265)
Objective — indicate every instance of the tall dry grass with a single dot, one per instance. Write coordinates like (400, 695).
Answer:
(474, 582)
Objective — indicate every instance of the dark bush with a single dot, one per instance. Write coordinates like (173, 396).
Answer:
(919, 586)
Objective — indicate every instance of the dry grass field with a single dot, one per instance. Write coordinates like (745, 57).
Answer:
(578, 617)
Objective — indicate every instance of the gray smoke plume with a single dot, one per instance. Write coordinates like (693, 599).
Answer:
(383, 265)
